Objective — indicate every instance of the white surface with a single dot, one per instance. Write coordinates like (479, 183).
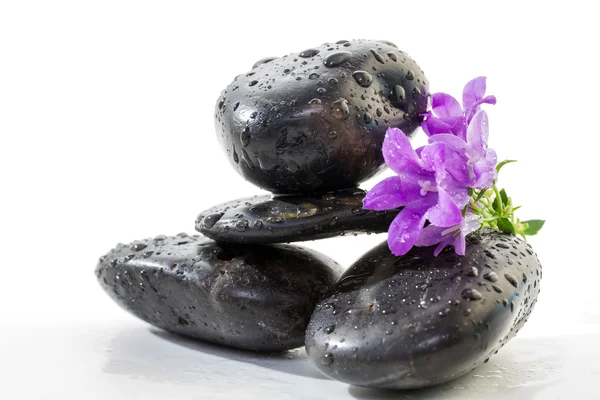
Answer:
(107, 136)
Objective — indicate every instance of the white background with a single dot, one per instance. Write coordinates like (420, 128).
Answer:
(107, 136)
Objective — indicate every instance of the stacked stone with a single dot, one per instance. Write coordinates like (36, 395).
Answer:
(309, 127)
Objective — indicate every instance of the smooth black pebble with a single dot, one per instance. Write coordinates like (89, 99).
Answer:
(417, 320)
(282, 219)
(249, 297)
(315, 120)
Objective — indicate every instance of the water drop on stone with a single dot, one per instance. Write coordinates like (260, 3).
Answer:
(377, 56)
(472, 271)
(241, 226)
(327, 359)
(363, 78)
(314, 75)
(263, 61)
(472, 294)
(308, 53)
(511, 279)
(329, 329)
(491, 276)
(138, 246)
(410, 75)
(340, 109)
(210, 220)
(245, 136)
(337, 58)
(368, 118)
(252, 83)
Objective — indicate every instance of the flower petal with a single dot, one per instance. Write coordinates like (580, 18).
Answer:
(397, 148)
(485, 171)
(477, 134)
(430, 235)
(406, 227)
(434, 156)
(446, 212)
(458, 191)
(474, 91)
(443, 105)
(460, 245)
(387, 194)
(434, 126)
(452, 142)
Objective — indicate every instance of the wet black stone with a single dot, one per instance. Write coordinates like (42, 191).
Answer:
(249, 297)
(282, 219)
(417, 320)
(305, 122)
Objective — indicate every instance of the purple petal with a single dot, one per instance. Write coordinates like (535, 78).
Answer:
(434, 126)
(457, 168)
(471, 223)
(446, 242)
(474, 91)
(446, 212)
(430, 235)
(485, 171)
(434, 156)
(397, 148)
(460, 245)
(406, 228)
(452, 142)
(458, 191)
(477, 134)
(443, 105)
(387, 194)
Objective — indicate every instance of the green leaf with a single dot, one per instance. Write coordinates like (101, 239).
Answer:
(503, 163)
(533, 226)
(506, 226)
(504, 197)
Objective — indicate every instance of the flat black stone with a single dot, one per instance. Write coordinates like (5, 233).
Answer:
(282, 219)
(417, 320)
(249, 297)
(315, 120)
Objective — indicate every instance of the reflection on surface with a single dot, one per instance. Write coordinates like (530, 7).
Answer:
(526, 368)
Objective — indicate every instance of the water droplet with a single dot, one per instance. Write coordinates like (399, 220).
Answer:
(327, 359)
(368, 118)
(252, 83)
(340, 109)
(242, 225)
(502, 245)
(497, 288)
(410, 75)
(329, 329)
(263, 61)
(308, 53)
(274, 220)
(258, 225)
(247, 160)
(393, 56)
(210, 220)
(359, 211)
(379, 112)
(236, 158)
(314, 102)
(377, 56)
(398, 96)
(337, 58)
(472, 271)
(491, 276)
(511, 279)
(245, 136)
(138, 246)
(334, 221)
(332, 81)
(363, 78)
(472, 294)
(314, 75)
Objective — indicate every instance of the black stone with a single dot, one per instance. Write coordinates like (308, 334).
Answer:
(314, 121)
(249, 297)
(417, 320)
(282, 219)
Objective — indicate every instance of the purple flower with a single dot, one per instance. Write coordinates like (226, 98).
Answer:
(452, 236)
(470, 161)
(447, 116)
(422, 186)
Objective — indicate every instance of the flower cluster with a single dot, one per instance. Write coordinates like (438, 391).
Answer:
(449, 183)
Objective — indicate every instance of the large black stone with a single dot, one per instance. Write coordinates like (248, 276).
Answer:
(282, 219)
(417, 320)
(250, 297)
(314, 121)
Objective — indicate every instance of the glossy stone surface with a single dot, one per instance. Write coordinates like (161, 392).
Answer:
(249, 297)
(282, 219)
(315, 120)
(417, 320)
